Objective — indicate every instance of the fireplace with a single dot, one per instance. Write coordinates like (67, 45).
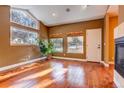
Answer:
(119, 56)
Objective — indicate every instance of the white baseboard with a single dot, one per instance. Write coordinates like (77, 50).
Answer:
(20, 64)
(105, 64)
(76, 59)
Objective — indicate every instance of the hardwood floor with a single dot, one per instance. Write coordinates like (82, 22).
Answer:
(59, 74)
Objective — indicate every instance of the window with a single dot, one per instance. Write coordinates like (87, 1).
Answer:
(57, 44)
(23, 37)
(75, 44)
(24, 18)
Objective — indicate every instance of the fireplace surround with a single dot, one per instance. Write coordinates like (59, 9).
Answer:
(119, 55)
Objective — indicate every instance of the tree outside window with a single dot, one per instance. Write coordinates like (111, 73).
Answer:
(57, 44)
(75, 44)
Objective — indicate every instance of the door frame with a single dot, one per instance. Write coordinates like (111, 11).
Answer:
(101, 44)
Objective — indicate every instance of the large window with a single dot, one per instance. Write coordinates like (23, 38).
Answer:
(24, 18)
(75, 44)
(23, 37)
(57, 44)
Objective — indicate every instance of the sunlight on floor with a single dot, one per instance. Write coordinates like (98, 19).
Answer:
(38, 74)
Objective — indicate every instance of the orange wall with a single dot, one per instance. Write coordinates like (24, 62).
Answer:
(113, 22)
(43, 31)
(15, 54)
(106, 38)
(109, 24)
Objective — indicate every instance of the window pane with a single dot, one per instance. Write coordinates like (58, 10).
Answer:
(23, 37)
(75, 44)
(57, 44)
(22, 17)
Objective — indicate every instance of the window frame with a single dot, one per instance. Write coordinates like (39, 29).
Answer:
(24, 30)
(82, 45)
(62, 44)
(29, 14)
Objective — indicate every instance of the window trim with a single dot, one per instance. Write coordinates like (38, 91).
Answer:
(28, 13)
(62, 44)
(82, 45)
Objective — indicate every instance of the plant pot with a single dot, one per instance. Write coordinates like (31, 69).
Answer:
(49, 57)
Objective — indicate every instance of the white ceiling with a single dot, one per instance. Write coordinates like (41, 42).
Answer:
(52, 15)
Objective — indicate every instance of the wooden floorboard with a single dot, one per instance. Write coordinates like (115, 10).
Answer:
(59, 74)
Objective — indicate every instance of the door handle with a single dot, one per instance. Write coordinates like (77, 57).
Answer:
(98, 46)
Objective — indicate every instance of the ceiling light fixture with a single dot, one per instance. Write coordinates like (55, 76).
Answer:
(53, 14)
(84, 6)
(67, 9)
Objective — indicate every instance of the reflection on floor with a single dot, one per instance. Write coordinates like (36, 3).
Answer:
(61, 74)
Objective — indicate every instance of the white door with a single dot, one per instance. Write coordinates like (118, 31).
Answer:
(93, 45)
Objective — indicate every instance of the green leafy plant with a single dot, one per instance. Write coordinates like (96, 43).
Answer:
(46, 48)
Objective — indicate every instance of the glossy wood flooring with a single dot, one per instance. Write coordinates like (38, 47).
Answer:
(61, 74)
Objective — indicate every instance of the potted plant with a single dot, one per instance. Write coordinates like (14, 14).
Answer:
(46, 48)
